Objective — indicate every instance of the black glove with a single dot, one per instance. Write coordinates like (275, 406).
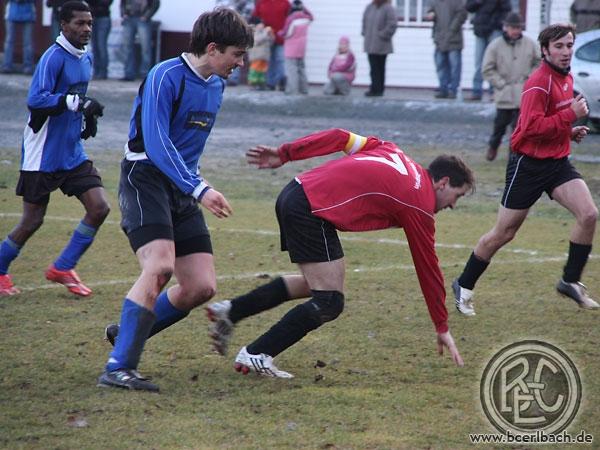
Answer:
(91, 107)
(91, 127)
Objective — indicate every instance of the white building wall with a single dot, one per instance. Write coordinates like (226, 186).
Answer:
(411, 64)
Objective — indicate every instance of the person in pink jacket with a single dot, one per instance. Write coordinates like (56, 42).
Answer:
(342, 69)
(294, 34)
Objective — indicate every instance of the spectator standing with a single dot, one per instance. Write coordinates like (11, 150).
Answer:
(136, 16)
(342, 70)
(55, 18)
(295, 34)
(19, 13)
(585, 14)
(507, 63)
(378, 26)
(259, 55)
(487, 26)
(273, 13)
(102, 24)
(448, 18)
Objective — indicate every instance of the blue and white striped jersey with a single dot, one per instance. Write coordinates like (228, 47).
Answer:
(52, 136)
(172, 117)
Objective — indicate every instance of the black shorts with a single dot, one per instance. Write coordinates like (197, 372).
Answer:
(306, 237)
(527, 178)
(152, 207)
(35, 187)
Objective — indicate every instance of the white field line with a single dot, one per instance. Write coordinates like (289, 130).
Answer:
(343, 238)
(253, 275)
(533, 259)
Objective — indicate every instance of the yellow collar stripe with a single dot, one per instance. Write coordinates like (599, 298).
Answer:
(355, 143)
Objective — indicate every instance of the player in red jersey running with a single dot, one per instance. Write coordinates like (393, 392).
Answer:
(375, 187)
(538, 163)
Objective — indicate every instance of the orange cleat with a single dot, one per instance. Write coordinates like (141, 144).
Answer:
(69, 279)
(6, 286)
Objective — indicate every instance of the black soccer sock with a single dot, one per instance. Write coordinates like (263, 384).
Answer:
(324, 306)
(260, 299)
(473, 270)
(292, 327)
(578, 256)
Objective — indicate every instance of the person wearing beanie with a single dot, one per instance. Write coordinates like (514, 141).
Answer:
(295, 37)
(487, 26)
(507, 63)
(342, 70)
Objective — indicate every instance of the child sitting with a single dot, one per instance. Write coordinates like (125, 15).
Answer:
(342, 69)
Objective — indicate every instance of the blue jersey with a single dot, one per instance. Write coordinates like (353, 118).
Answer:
(171, 119)
(52, 137)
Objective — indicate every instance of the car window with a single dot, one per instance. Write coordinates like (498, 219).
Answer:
(590, 51)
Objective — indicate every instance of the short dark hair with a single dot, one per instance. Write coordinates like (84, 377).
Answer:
(454, 168)
(66, 10)
(224, 27)
(553, 33)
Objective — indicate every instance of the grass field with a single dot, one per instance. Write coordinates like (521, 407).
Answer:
(383, 385)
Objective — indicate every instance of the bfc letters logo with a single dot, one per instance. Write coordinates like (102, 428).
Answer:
(530, 386)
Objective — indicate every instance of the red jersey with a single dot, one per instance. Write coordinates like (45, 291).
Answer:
(273, 14)
(375, 187)
(546, 118)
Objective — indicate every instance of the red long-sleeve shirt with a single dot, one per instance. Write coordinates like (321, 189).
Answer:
(273, 14)
(375, 187)
(545, 121)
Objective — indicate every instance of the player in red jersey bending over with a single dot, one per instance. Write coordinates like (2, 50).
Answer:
(375, 187)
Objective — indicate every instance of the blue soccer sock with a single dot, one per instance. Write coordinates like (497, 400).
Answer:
(9, 250)
(82, 238)
(166, 314)
(135, 326)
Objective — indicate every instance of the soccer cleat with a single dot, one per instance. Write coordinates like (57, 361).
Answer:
(261, 364)
(111, 332)
(577, 292)
(126, 379)
(69, 279)
(6, 286)
(463, 298)
(221, 328)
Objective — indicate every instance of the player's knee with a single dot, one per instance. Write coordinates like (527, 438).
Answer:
(32, 225)
(201, 294)
(99, 212)
(326, 306)
(589, 218)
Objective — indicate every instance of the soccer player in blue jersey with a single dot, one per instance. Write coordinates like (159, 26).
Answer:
(52, 152)
(161, 187)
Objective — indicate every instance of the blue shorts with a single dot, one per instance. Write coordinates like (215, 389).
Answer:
(152, 208)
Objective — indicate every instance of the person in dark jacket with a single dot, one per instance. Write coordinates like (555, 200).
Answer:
(448, 18)
(102, 24)
(136, 16)
(19, 13)
(487, 26)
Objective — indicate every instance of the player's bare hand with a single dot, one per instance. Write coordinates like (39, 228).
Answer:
(216, 203)
(446, 340)
(578, 133)
(264, 157)
(579, 106)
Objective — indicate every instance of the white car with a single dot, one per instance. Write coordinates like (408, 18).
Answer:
(585, 67)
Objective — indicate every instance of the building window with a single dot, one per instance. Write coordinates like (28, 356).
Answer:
(412, 12)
